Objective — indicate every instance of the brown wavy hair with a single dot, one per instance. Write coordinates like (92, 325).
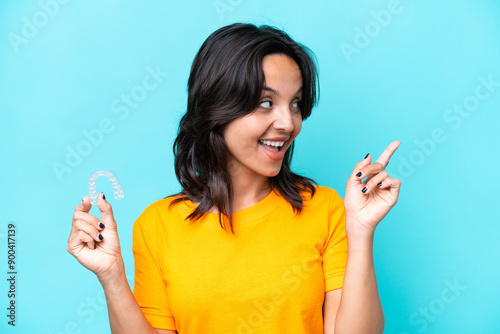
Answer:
(225, 83)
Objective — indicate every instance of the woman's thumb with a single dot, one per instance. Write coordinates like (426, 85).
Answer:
(106, 211)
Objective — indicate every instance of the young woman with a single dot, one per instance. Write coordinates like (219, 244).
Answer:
(247, 246)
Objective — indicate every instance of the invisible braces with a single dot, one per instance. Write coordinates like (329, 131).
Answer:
(113, 180)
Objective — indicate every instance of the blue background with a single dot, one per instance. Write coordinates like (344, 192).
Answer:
(65, 68)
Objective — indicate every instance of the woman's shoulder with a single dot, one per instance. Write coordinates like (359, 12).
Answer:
(161, 206)
(325, 200)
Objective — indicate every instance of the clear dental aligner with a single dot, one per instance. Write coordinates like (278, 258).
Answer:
(113, 180)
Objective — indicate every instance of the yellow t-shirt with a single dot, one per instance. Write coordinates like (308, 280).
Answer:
(270, 277)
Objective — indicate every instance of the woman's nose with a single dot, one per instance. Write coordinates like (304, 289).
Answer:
(284, 120)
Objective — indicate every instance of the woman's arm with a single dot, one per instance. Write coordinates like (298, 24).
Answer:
(125, 315)
(360, 309)
(96, 245)
(87, 232)
(366, 204)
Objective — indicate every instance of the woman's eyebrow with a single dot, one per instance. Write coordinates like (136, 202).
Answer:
(274, 91)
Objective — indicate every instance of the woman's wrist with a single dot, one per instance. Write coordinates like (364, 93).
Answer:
(113, 276)
(357, 230)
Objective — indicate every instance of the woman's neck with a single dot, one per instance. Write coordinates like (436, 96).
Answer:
(247, 192)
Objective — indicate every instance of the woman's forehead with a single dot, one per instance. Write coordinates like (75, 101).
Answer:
(282, 75)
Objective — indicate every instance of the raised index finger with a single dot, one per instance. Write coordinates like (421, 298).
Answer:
(387, 154)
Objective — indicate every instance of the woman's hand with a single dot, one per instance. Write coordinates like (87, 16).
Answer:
(101, 255)
(366, 203)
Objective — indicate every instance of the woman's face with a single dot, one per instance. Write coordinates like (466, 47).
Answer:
(258, 141)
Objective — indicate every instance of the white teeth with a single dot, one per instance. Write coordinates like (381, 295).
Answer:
(273, 143)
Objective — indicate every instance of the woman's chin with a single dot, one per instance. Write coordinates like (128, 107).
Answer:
(272, 172)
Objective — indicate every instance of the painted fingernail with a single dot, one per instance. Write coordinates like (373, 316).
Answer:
(366, 156)
(103, 197)
(101, 225)
(100, 236)
(364, 190)
(359, 174)
(380, 184)
(95, 246)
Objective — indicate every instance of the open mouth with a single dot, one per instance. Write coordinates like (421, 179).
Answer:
(274, 146)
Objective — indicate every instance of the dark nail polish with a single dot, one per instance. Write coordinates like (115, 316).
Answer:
(380, 184)
(100, 236)
(367, 156)
(359, 174)
(364, 190)
(101, 225)
(95, 245)
(103, 197)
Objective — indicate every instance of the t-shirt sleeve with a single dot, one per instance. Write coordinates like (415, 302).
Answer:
(335, 248)
(150, 289)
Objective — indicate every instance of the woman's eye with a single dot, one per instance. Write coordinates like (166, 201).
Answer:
(298, 104)
(262, 104)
